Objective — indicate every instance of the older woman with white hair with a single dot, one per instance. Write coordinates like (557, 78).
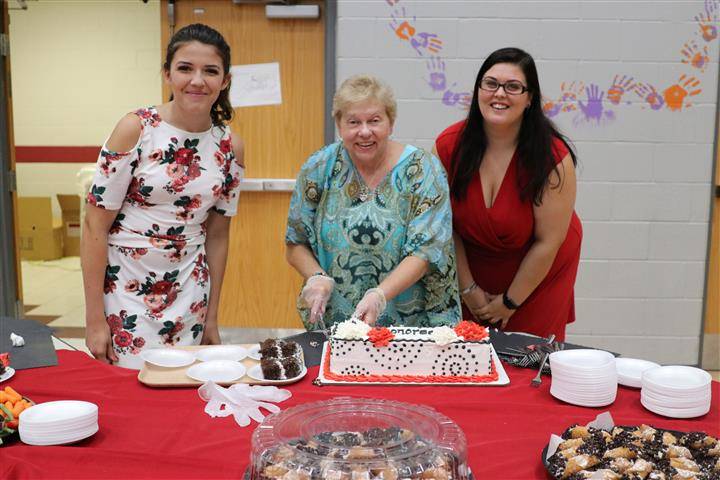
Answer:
(369, 226)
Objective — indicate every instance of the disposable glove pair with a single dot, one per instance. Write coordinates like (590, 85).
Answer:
(318, 289)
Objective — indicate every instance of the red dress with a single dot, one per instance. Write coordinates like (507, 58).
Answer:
(497, 239)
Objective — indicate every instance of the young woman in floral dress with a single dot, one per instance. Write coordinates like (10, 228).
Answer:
(155, 234)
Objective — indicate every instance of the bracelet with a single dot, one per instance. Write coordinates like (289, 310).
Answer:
(509, 303)
(469, 289)
(320, 273)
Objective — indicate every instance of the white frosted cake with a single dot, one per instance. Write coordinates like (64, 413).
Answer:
(359, 353)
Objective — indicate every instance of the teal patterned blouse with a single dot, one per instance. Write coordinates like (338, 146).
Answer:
(359, 237)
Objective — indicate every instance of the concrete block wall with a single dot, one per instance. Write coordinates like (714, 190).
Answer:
(645, 173)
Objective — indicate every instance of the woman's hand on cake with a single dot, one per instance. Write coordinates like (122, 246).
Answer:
(315, 294)
(495, 312)
(371, 306)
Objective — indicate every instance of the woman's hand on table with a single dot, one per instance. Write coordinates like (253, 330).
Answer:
(371, 306)
(99, 340)
(495, 312)
(211, 334)
(315, 294)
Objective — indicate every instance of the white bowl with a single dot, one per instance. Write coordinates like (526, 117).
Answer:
(233, 353)
(630, 370)
(218, 371)
(254, 352)
(677, 378)
(59, 413)
(70, 437)
(168, 357)
(255, 372)
(582, 359)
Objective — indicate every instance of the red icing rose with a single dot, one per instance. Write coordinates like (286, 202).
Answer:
(471, 331)
(380, 336)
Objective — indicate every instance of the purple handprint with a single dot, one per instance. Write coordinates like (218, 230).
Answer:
(593, 110)
(438, 80)
(392, 2)
(426, 41)
(648, 93)
(452, 99)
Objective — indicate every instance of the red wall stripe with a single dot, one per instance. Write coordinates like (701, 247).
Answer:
(56, 154)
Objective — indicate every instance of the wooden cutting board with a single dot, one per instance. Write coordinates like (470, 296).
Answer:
(163, 377)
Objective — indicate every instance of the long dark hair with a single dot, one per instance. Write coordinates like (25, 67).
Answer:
(535, 138)
(221, 111)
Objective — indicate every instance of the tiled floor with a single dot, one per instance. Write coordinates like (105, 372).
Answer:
(53, 295)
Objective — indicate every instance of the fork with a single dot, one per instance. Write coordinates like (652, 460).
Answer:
(535, 382)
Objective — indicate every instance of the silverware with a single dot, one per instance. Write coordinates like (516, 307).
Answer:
(535, 382)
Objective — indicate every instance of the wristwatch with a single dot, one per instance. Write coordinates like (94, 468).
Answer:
(509, 303)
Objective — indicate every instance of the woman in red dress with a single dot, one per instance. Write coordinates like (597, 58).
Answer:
(512, 184)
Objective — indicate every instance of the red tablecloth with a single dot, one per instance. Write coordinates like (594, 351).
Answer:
(164, 433)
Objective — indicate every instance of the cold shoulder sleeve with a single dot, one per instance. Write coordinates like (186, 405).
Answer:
(113, 176)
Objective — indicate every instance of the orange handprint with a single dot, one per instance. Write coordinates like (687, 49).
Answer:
(694, 56)
(402, 29)
(567, 101)
(619, 88)
(676, 94)
(707, 21)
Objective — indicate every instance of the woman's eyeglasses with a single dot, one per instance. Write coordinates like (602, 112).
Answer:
(513, 87)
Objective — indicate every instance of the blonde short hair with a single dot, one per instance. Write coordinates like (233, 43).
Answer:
(359, 88)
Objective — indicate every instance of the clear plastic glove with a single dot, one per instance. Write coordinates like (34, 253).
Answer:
(371, 306)
(315, 294)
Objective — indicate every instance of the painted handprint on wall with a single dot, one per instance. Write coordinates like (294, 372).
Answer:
(620, 86)
(451, 98)
(567, 102)
(676, 95)
(402, 28)
(593, 109)
(426, 41)
(438, 80)
(650, 95)
(694, 56)
(707, 23)
(392, 2)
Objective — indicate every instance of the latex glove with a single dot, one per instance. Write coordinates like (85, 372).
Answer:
(371, 306)
(315, 295)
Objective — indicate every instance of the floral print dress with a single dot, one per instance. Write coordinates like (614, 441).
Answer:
(157, 282)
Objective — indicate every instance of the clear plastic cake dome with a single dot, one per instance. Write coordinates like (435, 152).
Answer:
(358, 439)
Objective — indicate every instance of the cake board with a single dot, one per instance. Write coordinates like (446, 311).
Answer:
(503, 378)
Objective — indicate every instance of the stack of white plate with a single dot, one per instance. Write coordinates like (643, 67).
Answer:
(57, 423)
(583, 377)
(676, 391)
(630, 370)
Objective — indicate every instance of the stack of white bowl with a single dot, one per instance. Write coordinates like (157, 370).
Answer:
(583, 377)
(676, 391)
(57, 423)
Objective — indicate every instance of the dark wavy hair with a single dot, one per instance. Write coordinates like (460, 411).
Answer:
(221, 111)
(535, 138)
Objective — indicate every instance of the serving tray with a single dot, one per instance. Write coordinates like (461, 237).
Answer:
(163, 377)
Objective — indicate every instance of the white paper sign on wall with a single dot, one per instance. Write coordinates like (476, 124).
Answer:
(255, 84)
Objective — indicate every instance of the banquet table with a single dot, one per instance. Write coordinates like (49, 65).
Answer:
(164, 433)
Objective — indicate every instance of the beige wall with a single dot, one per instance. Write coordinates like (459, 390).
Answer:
(78, 66)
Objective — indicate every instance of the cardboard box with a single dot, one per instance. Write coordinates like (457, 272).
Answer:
(70, 206)
(41, 235)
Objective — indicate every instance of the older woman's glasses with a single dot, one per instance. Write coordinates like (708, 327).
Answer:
(513, 87)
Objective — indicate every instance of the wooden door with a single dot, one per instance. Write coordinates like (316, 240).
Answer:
(260, 288)
(11, 155)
